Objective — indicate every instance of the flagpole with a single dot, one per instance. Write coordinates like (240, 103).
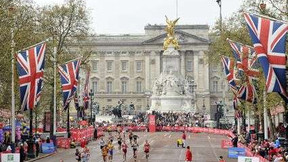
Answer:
(267, 17)
(68, 121)
(46, 40)
(30, 152)
(73, 60)
(54, 89)
(12, 80)
(248, 121)
(239, 43)
(265, 115)
(238, 125)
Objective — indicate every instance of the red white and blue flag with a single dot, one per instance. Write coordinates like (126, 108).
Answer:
(69, 74)
(86, 91)
(246, 59)
(228, 66)
(247, 92)
(30, 65)
(269, 39)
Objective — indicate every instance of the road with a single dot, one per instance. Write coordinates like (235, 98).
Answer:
(205, 148)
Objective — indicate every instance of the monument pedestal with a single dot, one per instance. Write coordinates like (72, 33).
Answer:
(171, 89)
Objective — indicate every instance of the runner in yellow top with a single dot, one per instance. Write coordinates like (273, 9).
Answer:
(110, 150)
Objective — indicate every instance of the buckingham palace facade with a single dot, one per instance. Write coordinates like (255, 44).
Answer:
(124, 67)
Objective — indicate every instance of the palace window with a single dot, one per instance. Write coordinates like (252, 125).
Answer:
(124, 86)
(109, 86)
(138, 66)
(109, 65)
(215, 86)
(94, 86)
(124, 65)
(138, 86)
(189, 65)
(95, 66)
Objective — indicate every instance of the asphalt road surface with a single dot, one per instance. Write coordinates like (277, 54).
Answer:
(205, 148)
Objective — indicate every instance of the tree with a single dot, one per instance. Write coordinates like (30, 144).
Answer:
(235, 29)
(65, 24)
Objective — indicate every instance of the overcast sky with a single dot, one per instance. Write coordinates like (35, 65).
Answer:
(130, 16)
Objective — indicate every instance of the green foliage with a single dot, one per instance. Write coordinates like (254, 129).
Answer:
(235, 28)
(63, 24)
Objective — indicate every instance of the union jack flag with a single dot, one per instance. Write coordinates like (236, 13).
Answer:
(69, 74)
(246, 58)
(248, 93)
(228, 66)
(269, 39)
(30, 65)
(86, 91)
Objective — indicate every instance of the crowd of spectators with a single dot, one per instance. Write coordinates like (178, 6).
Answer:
(270, 149)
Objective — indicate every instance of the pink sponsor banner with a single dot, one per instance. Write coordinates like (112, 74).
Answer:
(226, 144)
(152, 124)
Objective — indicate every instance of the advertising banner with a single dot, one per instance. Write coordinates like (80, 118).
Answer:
(152, 124)
(234, 152)
(10, 157)
(48, 148)
(248, 159)
(226, 144)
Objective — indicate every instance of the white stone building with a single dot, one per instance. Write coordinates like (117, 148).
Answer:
(126, 66)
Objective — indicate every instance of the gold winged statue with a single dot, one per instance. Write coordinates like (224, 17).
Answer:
(170, 38)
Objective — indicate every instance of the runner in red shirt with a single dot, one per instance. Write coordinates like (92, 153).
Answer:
(124, 149)
(221, 159)
(188, 155)
(147, 149)
(184, 138)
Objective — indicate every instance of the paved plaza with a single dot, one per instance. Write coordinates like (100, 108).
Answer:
(205, 148)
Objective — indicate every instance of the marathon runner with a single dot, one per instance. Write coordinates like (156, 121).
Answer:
(104, 153)
(110, 150)
(134, 147)
(101, 143)
(130, 136)
(146, 149)
(124, 149)
(119, 141)
(184, 138)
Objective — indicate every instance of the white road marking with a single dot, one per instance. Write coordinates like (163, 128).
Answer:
(212, 147)
(170, 136)
(189, 136)
(166, 134)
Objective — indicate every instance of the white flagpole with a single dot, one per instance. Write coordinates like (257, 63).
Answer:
(238, 125)
(46, 40)
(265, 115)
(239, 43)
(12, 78)
(267, 17)
(248, 116)
(54, 97)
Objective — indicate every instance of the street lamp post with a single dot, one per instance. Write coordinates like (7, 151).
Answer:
(148, 94)
(218, 114)
(220, 6)
(204, 107)
(91, 94)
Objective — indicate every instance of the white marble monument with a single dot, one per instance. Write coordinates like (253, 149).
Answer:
(171, 89)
